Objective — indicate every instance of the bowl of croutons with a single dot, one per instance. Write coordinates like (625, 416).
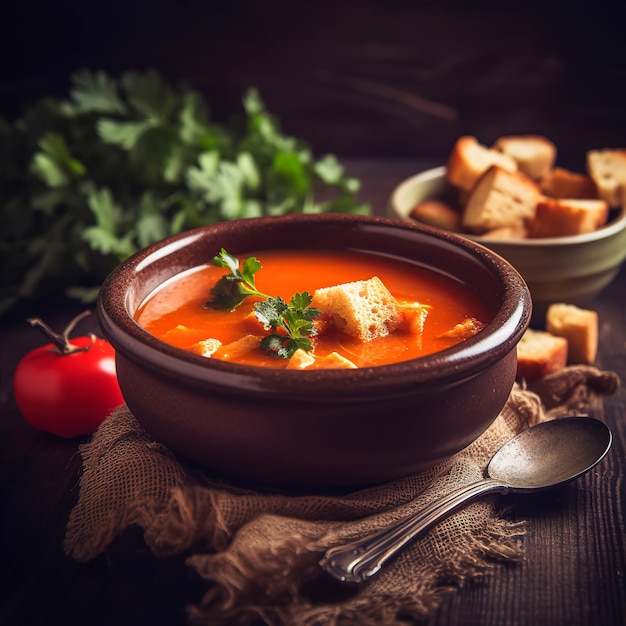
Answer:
(315, 349)
(564, 231)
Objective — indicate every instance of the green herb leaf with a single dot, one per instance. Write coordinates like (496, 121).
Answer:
(294, 319)
(123, 134)
(233, 288)
(276, 314)
(329, 170)
(96, 93)
(270, 312)
(132, 136)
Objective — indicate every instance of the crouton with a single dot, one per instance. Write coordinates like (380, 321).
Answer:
(469, 160)
(579, 327)
(414, 314)
(563, 183)
(561, 217)
(437, 214)
(334, 360)
(534, 154)
(236, 349)
(608, 169)
(500, 199)
(465, 329)
(364, 309)
(540, 353)
(305, 360)
(206, 347)
(300, 360)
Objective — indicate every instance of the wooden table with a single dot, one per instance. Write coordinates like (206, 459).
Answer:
(575, 547)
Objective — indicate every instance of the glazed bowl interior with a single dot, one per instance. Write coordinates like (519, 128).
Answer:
(323, 427)
(572, 269)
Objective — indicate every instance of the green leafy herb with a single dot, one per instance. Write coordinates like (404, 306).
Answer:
(290, 324)
(232, 289)
(295, 320)
(86, 181)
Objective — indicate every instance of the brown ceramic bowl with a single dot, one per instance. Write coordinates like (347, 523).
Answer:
(323, 427)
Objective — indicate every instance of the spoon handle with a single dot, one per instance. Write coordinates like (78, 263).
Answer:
(357, 561)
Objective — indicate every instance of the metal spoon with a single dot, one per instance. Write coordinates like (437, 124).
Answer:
(542, 457)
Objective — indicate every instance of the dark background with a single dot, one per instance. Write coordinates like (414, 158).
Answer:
(392, 83)
(376, 78)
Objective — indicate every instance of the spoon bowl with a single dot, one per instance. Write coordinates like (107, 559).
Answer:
(550, 454)
(542, 457)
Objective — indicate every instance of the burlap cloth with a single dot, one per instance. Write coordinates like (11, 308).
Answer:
(258, 550)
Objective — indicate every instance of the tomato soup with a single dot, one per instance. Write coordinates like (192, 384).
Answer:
(176, 312)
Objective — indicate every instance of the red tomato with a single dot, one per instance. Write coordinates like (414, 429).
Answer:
(69, 393)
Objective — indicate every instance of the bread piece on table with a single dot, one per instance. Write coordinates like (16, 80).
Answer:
(556, 217)
(534, 154)
(579, 327)
(364, 308)
(563, 183)
(437, 214)
(608, 169)
(540, 353)
(500, 199)
(469, 160)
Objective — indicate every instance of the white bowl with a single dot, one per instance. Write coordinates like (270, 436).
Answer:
(572, 269)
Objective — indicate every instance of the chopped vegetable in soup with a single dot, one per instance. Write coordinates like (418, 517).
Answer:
(311, 309)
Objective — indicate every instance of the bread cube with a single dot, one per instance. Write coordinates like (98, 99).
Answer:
(500, 199)
(207, 347)
(469, 160)
(556, 217)
(414, 314)
(335, 361)
(465, 329)
(540, 353)
(236, 349)
(579, 327)
(534, 154)
(300, 360)
(437, 214)
(364, 308)
(305, 360)
(608, 169)
(563, 183)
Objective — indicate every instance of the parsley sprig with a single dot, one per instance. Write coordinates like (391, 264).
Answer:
(290, 323)
(232, 289)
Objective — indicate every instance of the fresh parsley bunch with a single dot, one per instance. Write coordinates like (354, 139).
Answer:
(120, 164)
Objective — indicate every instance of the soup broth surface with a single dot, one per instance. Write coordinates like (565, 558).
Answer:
(176, 312)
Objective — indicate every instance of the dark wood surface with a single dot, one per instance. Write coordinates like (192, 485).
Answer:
(387, 85)
(575, 546)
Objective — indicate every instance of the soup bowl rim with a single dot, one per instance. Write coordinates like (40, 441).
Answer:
(466, 359)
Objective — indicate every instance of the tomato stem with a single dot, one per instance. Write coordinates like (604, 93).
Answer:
(61, 341)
